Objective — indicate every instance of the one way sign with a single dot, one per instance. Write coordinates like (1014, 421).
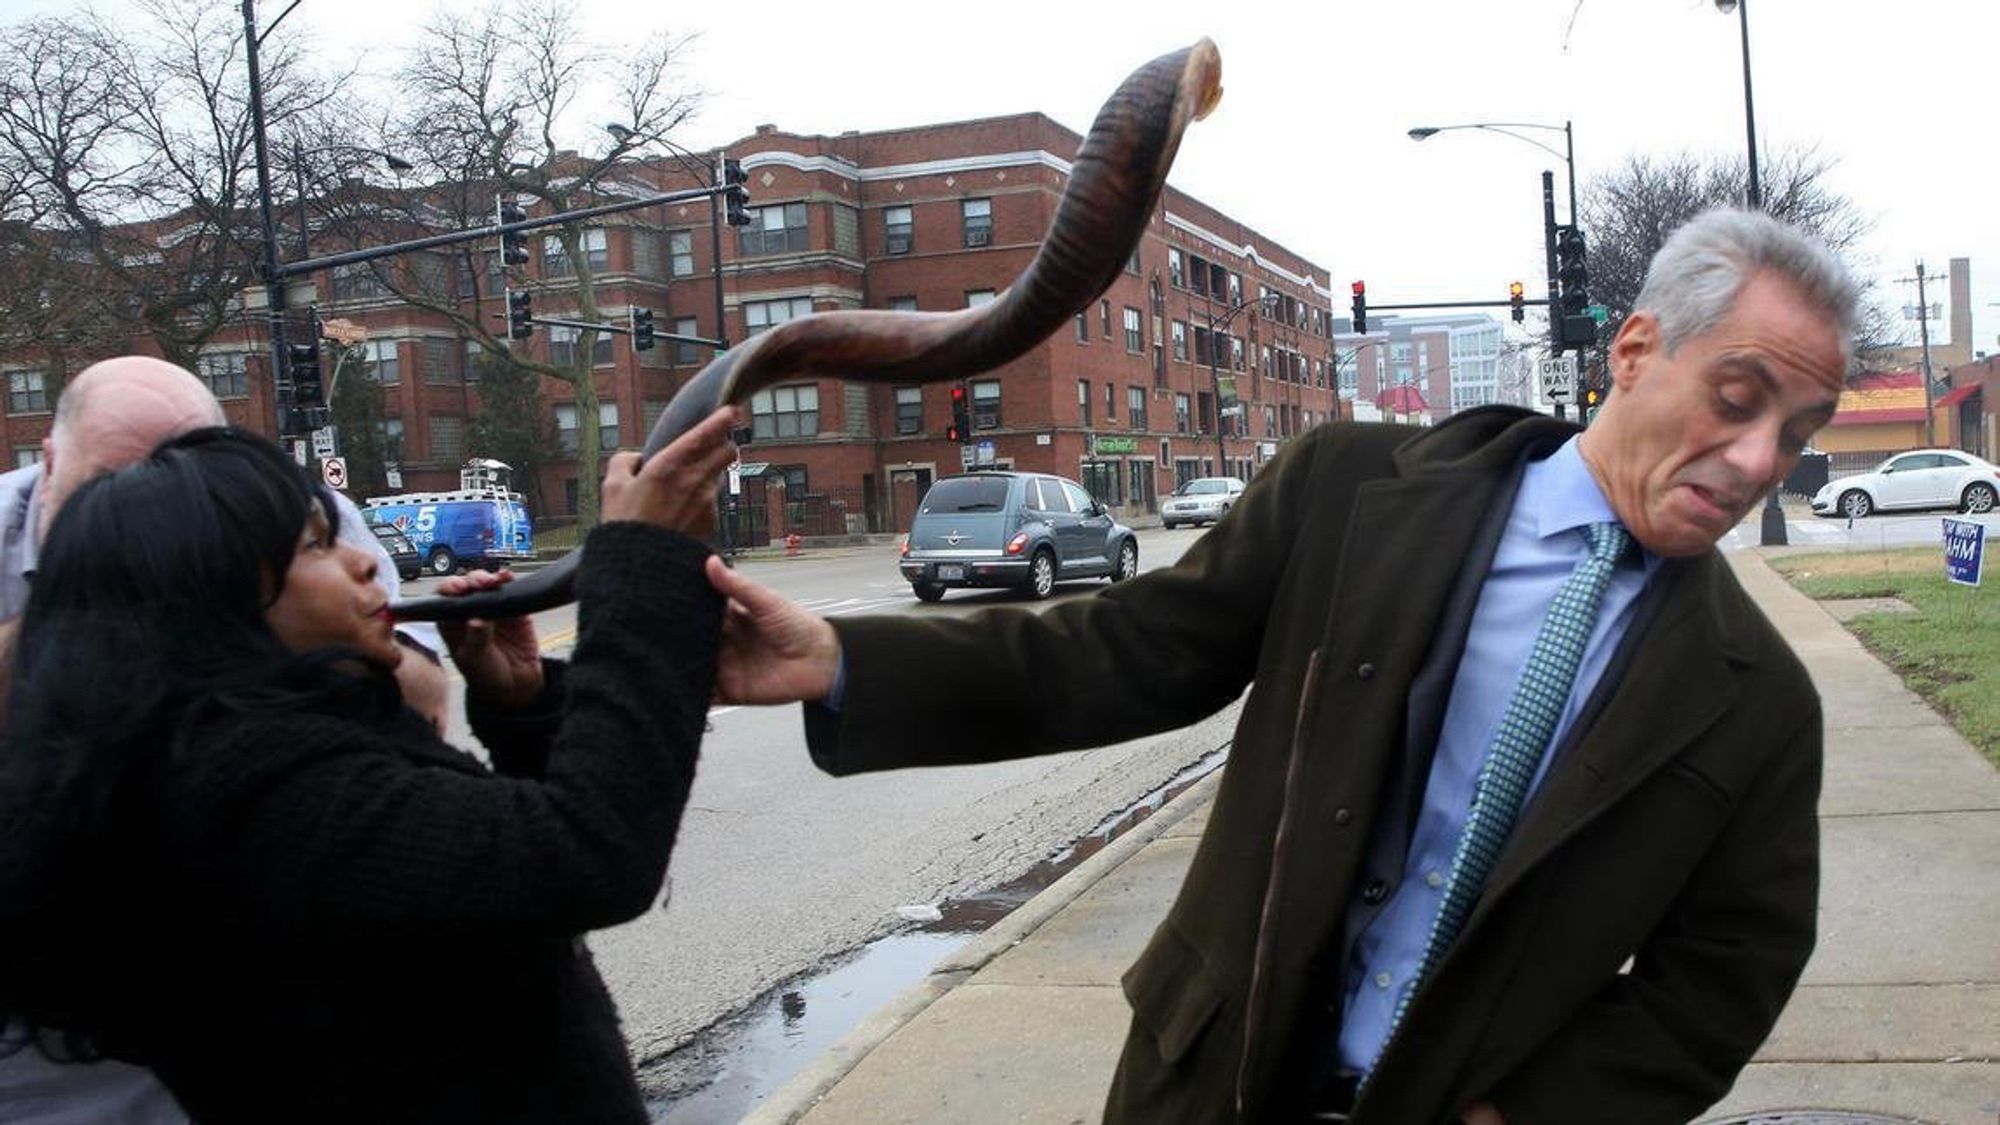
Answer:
(1559, 377)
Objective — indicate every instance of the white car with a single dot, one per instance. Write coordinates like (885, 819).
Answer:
(1202, 500)
(1922, 478)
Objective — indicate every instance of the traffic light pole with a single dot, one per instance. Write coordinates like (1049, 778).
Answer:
(274, 277)
(715, 247)
(1549, 247)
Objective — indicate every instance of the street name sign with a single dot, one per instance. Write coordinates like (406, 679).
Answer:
(1964, 551)
(1558, 378)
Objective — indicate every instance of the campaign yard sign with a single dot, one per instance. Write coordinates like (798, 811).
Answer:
(1964, 547)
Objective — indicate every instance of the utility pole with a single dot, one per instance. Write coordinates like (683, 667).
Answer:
(1924, 334)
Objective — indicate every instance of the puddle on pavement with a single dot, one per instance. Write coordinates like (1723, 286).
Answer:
(721, 1074)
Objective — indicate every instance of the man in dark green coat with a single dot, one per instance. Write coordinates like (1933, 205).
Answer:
(1381, 589)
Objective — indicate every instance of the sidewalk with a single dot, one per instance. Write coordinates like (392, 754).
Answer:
(1898, 1013)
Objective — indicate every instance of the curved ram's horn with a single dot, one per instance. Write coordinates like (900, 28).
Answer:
(1118, 174)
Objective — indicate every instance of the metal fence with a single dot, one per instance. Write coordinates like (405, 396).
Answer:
(832, 511)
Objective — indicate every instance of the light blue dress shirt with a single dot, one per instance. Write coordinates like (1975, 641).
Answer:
(1542, 543)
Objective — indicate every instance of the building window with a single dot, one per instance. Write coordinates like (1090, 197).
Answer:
(899, 230)
(566, 430)
(1110, 403)
(26, 455)
(685, 351)
(976, 220)
(759, 316)
(596, 254)
(27, 392)
(225, 373)
(1083, 402)
(390, 432)
(1135, 407)
(1104, 316)
(1176, 268)
(1180, 413)
(1082, 328)
(902, 304)
(607, 425)
(680, 252)
(443, 361)
(778, 229)
(447, 438)
(563, 350)
(1236, 353)
(1180, 342)
(645, 251)
(357, 281)
(1132, 265)
(909, 410)
(784, 412)
(1133, 342)
(383, 364)
(977, 297)
(986, 404)
(1235, 288)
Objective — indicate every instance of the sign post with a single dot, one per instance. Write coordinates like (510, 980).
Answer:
(1964, 551)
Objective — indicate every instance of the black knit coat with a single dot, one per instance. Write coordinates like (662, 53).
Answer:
(348, 920)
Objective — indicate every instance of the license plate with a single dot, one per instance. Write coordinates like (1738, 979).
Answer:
(948, 573)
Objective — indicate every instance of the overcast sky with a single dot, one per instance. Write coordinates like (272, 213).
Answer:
(1309, 145)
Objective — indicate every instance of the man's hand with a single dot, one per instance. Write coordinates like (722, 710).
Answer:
(1484, 1113)
(500, 660)
(674, 488)
(772, 651)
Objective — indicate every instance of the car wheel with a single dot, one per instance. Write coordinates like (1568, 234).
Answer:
(1128, 562)
(1854, 504)
(1168, 525)
(1979, 497)
(927, 591)
(1042, 574)
(442, 561)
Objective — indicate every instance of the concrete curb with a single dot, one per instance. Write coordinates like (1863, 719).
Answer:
(805, 1089)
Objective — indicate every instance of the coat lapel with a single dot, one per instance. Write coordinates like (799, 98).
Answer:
(1680, 684)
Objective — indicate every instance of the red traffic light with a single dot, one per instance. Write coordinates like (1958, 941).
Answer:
(957, 395)
(1360, 288)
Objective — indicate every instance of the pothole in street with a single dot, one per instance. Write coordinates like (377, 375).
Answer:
(726, 1069)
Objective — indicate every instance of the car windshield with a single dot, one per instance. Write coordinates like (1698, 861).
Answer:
(968, 494)
(389, 535)
(1204, 488)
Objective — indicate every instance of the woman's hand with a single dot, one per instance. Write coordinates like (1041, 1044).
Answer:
(675, 488)
(500, 660)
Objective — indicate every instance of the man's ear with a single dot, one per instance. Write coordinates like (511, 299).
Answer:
(48, 456)
(1637, 340)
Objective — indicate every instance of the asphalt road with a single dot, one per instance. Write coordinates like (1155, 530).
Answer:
(779, 866)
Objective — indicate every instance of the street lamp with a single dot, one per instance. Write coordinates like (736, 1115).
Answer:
(1753, 197)
(628, 137)
(1216, 324)
(1506, 129)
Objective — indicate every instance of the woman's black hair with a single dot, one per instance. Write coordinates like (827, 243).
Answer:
(147, 604)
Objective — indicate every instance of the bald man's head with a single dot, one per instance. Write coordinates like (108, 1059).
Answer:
(112, 414)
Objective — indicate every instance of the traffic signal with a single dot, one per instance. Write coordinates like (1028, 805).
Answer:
(520, 314)
(1360, 306)
(735, 195)
(303, 362)
(960, 429)
(642, 329)
(1575, 328)
(513, 245)
(1515, 296)
(1592, 396)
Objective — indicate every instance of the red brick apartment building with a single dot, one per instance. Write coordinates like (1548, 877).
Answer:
(932, 218)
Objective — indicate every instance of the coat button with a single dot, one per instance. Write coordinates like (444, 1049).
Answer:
(1366, 671)
(1375, 892)
(1341, 817)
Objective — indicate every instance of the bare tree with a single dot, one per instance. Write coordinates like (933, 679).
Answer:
(132, 152)
(500, 103)
(1629, 212)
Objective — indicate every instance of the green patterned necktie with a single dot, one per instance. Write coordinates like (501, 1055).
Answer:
(1524, 735)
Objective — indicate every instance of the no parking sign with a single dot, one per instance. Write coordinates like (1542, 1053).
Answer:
(333, 470)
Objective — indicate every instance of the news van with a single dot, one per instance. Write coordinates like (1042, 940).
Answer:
(481, 524)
